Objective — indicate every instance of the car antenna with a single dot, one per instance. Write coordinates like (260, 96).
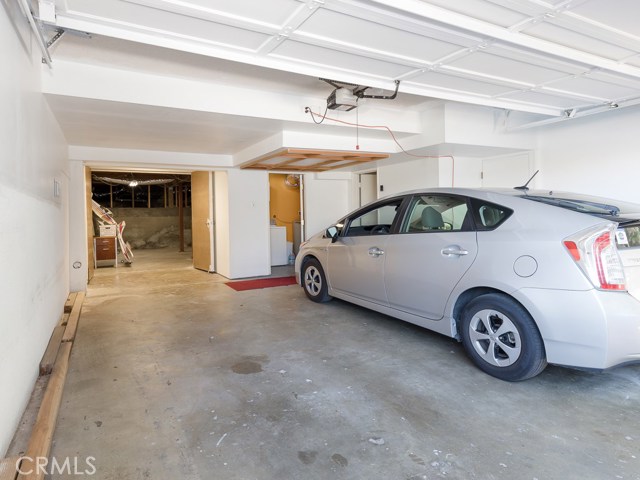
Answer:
(525, 187)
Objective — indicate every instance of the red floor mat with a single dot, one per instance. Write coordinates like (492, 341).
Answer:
(242, 285)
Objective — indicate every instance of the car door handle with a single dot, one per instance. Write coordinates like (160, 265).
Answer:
(375, 252)
(454, 250)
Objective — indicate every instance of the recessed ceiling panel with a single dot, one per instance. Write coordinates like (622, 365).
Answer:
(161, 22)
(376, 37)
(533, 58)
(306, 162)
(482, 10)
(593, 88)
(499, 66)
(578, 41)
(274, 11)
(635, 61)
(622, 15)
(310, 54)
(217, 33)
(606, 77)
(460, 84)
(539, 98)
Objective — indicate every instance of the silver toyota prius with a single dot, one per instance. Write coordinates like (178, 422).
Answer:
(522, 278)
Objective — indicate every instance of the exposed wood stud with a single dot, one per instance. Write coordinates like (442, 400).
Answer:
(74, 317)
(8, 470)
(42, 433)
(68, 305)
(321, 160)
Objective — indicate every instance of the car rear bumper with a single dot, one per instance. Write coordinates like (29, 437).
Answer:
(586, 329)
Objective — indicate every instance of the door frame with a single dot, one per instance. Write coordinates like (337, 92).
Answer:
(355, 201)
(303, 234)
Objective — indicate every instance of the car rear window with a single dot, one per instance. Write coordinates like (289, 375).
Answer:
(487, 215)
(628, 236)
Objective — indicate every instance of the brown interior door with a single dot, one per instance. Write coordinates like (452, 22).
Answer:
(202, 220)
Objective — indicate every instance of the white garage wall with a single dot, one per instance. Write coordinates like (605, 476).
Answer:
(509, 170)
(408, 175)
(482, 126)
(78, 248)
(34, 224)
(599, 154)
(466, 172)
(326, 199)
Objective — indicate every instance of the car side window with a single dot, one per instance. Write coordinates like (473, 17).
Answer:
(376, 221)
(488, 215)
(436, 213)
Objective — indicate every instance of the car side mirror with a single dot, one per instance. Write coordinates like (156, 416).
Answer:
(332, 233)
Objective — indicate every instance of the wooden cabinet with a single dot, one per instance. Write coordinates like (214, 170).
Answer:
(105, 251)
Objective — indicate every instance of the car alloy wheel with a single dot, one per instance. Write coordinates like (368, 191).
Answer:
(314, 281)
(495, 338)
(501, 338)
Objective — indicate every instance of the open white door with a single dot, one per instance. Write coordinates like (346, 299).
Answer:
(202, 221)
(301, 233)
(368, 191)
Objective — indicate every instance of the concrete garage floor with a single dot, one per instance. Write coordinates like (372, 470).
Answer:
(174, 375)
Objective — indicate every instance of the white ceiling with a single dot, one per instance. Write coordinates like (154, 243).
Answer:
(101, 123)
(553, 57)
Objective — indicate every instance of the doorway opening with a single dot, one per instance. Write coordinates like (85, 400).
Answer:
(151, 210)
(286, 213)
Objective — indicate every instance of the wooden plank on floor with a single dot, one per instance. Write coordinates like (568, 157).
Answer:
(64, 319)
(42, 433)
(74, 317)
(50, 354)
(68, 305)
(8, 470)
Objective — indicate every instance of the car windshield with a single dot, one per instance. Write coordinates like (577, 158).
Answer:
(585, 203)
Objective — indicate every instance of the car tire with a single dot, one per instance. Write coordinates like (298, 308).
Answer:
(314, 281)
(501, 338)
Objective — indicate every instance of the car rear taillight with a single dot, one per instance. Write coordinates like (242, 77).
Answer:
(596, 254)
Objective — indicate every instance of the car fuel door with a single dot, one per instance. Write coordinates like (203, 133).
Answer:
(435, 246)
